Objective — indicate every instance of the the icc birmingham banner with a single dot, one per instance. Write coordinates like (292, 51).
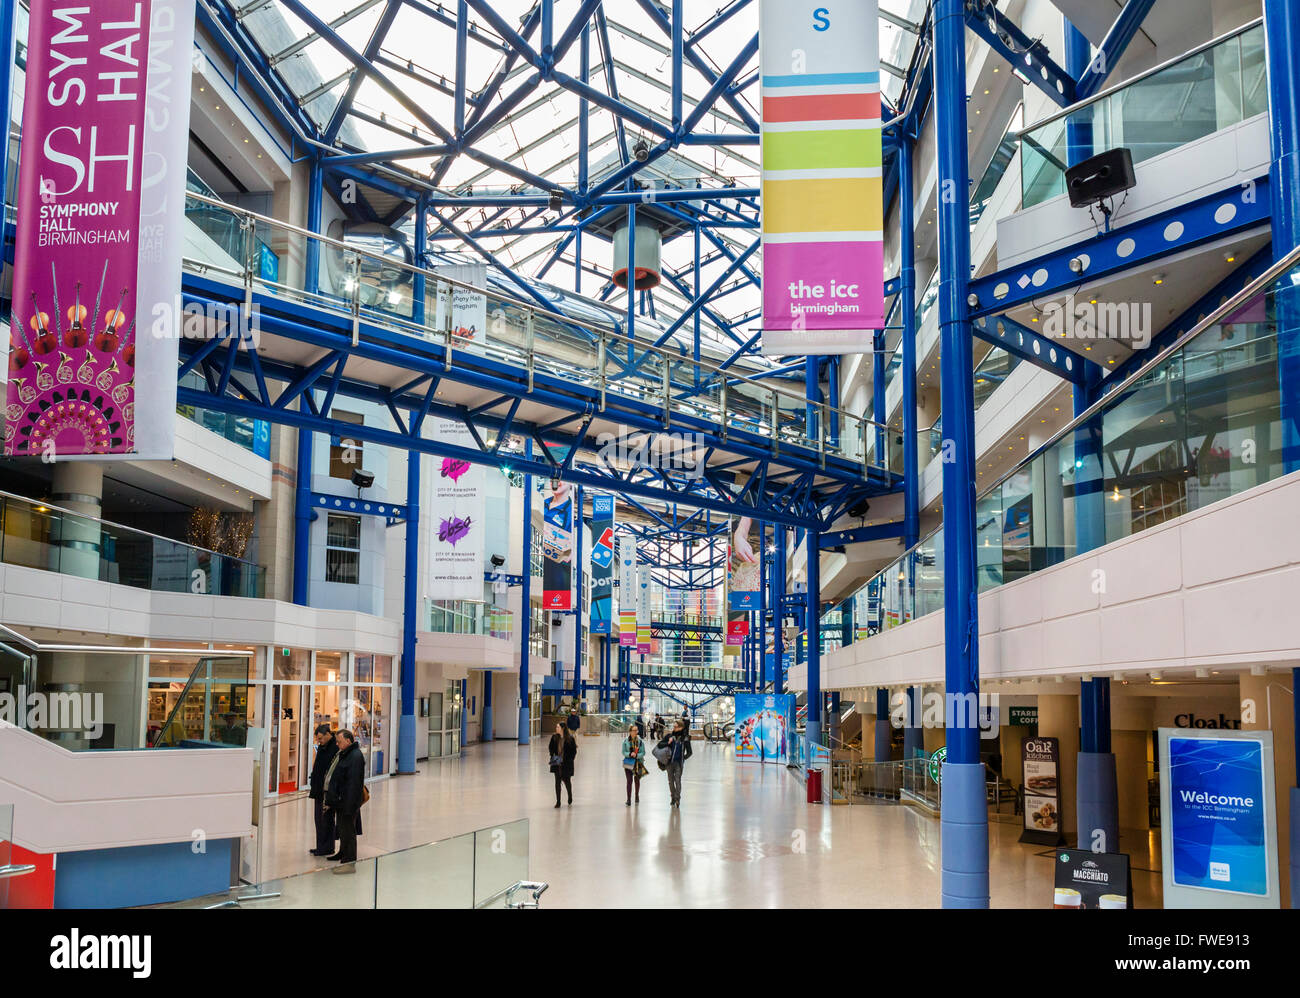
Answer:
(458, 546)
(557, 549)
(627, 591)
(823, 238)
(764, 722)
(97, 255)
(602, 563)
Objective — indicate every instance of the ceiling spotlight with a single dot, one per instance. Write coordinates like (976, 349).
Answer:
(1158, 279)
(973, 300)
(557, 201)
(641, 151)
(1076, 264)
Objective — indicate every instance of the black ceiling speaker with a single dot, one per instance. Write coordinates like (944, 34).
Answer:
(1103, 176)
(859, 509)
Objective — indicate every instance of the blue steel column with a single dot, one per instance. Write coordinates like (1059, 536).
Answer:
(778, 601)
(879, 409)
(464, 713)
(965, 830)
(913, 742)
(418, 284)
(816, 705)
(907, 297)
(1096, 786)
(488, 727)
(302, 490)
(884, 733)
(525, 605)
(1282, 32)
(406, 736)
(760, 673)
(577, 594)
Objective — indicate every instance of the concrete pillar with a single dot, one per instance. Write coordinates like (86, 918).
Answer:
(78, 486)
(1058, 717)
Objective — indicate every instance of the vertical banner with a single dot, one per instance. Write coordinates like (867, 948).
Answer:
(1040, 762)
(602, 564)
(557, 549)
(96, 315)
(628, 591)
(463, 310)
(643, 629)
(823, 234)
(1218, 819)
(737, 631)
(456, 513)
(743, 578)
(763, 725)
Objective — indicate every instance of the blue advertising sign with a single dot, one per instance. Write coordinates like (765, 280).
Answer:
(1218, 798)
(764, 725)
(602, 564)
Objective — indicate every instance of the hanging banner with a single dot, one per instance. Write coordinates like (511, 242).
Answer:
(643, 629)
(743, 569)
(628, 589)
(1218, 819)
(457, 513)
(96, 317)
(823, 234)
(1040, 763)
(737, 631)
(602, 564)
(763, 724)
(463, 310)
(557, 549)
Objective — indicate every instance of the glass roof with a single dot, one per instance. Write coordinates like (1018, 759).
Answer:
(414, 46)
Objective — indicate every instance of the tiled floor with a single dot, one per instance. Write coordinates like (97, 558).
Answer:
(743, 837)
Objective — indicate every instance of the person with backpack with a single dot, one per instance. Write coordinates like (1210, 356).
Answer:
(678, 744)
(634, 762)
(563, 748)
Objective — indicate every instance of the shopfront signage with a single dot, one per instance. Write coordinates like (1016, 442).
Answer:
(1025, 717)
(1040, 763)
(1219, 821)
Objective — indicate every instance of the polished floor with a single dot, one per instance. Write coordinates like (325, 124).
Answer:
(743, 836)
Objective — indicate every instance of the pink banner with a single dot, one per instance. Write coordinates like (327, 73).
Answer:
(92, 229)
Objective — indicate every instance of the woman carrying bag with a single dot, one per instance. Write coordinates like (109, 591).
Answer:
(634, 762)
(562, 749)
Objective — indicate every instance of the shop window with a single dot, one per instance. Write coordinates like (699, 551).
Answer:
(342, 548)
(345, 452)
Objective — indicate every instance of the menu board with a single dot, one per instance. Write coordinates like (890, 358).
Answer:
(1092, 880)
(1040, 761)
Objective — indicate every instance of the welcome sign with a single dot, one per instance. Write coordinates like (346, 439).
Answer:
(823, 204)
(97, 252)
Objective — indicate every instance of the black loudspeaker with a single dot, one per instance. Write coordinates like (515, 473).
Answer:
(1100, 177)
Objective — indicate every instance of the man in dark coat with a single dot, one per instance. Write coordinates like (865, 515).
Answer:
(344, 794)
(326, 750)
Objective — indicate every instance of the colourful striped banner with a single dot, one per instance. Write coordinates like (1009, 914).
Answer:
(823, 204)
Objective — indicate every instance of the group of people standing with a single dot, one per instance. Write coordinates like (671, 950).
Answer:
(338, 788)
(670, 752)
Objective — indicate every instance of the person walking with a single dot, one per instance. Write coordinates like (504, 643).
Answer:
(345, 792)
(678, 743)
(634, 762)
(563, 748)
(326, 750)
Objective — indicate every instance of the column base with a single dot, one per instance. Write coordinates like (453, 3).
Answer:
(406, 744)
(489, 732)
(524, 720)
(1097, 802)
(964, 827)
(813, 733)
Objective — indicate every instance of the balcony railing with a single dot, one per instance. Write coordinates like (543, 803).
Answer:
(1216, 86)
(469, 617)
(38, 535)
(1200, 422)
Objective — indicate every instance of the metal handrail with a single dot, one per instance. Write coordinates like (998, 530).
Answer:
(1144, 75)
(16, 870)
(1230, 306)
(536, 888)
(599, 334)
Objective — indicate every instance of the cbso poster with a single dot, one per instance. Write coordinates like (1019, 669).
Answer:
(457, 509)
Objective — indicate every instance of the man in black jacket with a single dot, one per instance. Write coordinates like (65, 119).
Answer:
(326, 750)
(345, 785)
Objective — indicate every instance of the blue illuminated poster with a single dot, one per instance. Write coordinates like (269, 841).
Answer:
(764, 725)
(1217, 814)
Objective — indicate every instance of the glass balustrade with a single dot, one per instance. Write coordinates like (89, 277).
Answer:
(379, 287)
(469, 617)
(37, 535)
(1216, 87)
(1199, 423)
